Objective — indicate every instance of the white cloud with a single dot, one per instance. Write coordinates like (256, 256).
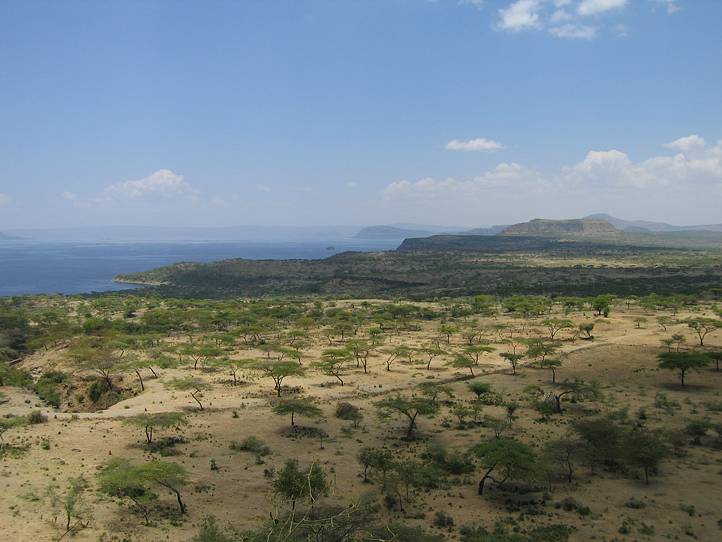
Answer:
(595, 7)
(69, 196)
(506, 177)
(521, 15)
(220, 202)
(474, 145)
(696, 165)
(162, 182)
(622, 30)
(566, 18)
(352, 184)
(514, 177)
(687, 143)
(477, 3)
(560, 16)
(671, 5)
(4, 199)
(574, 31)
(262, 188)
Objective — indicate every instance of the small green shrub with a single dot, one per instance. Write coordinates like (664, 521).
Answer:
(36, 417)
(691, 510)
(251, 444)
(442, 520)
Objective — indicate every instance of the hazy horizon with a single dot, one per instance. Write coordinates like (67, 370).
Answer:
(319, 113)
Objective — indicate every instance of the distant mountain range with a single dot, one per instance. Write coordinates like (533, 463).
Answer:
(389, 231)
(593, 224)
(641, 226)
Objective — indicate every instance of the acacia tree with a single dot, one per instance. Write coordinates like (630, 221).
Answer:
(120, 478)
(433, 389)
(644, 448)
(554, 325)
(564, 451)
(202, 354)
(431, 351)
(601, 304)
(295, 485)
(461, 361)
(364, 457)
(193, 385)
(513, 459)
(484, 393)
(235, 365)
(447, 330)
(98, 358)
(392, 355)
(297, 406)
(411, 407)
(278, 371)
(552, 364)
(680, 339)
(333, 362)
(576, 388)
(542, 349)
(379, 460)
(604, 439)
(587, 328)
(716, 356)
(682, 362)
(168, 475)
(71, 501)
(361, 349)
(151, 422)
(703, 326)
(513, 359)
(472, 353)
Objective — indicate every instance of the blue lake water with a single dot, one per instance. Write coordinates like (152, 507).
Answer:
(41, 267)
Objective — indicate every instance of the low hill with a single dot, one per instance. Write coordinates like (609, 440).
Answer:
(484, 231)
(543, 227)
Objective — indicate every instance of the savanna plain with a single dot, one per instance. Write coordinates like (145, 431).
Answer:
(329, 418)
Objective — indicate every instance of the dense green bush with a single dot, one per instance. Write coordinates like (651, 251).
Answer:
(9, 376)
(48, 387)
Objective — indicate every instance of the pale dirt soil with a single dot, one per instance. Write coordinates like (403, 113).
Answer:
(622, 357)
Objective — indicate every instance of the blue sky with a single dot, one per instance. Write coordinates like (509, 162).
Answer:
(358, 112)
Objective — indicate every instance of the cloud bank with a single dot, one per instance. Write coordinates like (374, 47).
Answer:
(696, 165)
(474, 145)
